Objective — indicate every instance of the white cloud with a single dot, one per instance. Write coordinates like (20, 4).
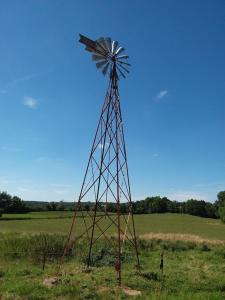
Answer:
(30, 102)
(61, 192)
(16, 81)
(100, 146)
(24, 78)
(186, 195)
(162, 94)
(155, 155)
(23, 189)
(63, 185)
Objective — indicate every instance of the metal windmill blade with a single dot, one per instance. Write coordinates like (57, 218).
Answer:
(97, 57)
(100, 64)
(123, 56)
(107, 55)
(114, 46)
(108, 43)
(105, 69)
(119, 50)
(103, 44)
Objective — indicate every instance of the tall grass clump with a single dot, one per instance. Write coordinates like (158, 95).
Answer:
(33, 247)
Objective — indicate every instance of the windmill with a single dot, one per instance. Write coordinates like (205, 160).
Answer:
(106, 178)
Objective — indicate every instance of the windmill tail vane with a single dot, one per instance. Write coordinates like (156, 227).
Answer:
(106, 180)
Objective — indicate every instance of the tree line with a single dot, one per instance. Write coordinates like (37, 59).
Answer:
(12, 204)
(150, 205)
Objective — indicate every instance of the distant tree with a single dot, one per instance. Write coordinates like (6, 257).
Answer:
(124, 208)
(51, 206)
(9, 204)
(221, 198)
(195, 207)
(151, 205)
(210, 210)
(222, 213)
(174, 207)
(220, 205)
(5, 200)
(16, 206)
(87, 206)
(111, 207)
(61, 206)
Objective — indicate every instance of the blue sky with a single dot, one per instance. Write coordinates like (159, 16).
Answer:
(173, 101)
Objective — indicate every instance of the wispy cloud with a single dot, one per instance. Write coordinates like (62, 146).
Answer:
(162, 94)
(155, 155)
(30, 102)
(16, 81)
(61, 185)
(23, 189)
(23, 78)
(186, 195)
(61, 192)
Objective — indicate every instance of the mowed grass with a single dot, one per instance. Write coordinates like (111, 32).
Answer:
(51, 222)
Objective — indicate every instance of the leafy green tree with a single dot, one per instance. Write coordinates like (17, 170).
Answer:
(5, 200)
(222, 213)
(9, 204)
(51, 206)
(220, 205)
(221, 198)
(17, 206)
(195, 207)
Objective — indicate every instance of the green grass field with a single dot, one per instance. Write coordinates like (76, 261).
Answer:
(39, 215)
(194, 260)
(57, 222)
(191, 272)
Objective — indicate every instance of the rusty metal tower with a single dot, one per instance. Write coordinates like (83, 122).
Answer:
(106, 180)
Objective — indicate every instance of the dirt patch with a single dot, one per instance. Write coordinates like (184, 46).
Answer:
(131, 292)
(49, 282)
(103, 289)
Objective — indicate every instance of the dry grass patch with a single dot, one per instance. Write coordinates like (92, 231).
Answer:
(180, 237)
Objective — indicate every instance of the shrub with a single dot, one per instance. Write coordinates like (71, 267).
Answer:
(2, 273)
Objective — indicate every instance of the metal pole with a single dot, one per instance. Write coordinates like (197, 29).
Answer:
(99, 179)
(118, 263)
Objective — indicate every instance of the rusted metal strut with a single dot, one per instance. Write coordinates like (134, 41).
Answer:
(106, 181)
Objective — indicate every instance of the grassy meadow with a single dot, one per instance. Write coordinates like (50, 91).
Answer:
(59, 222)
(193, 247)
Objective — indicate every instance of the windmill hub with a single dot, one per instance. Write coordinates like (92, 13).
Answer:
(107, 54)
